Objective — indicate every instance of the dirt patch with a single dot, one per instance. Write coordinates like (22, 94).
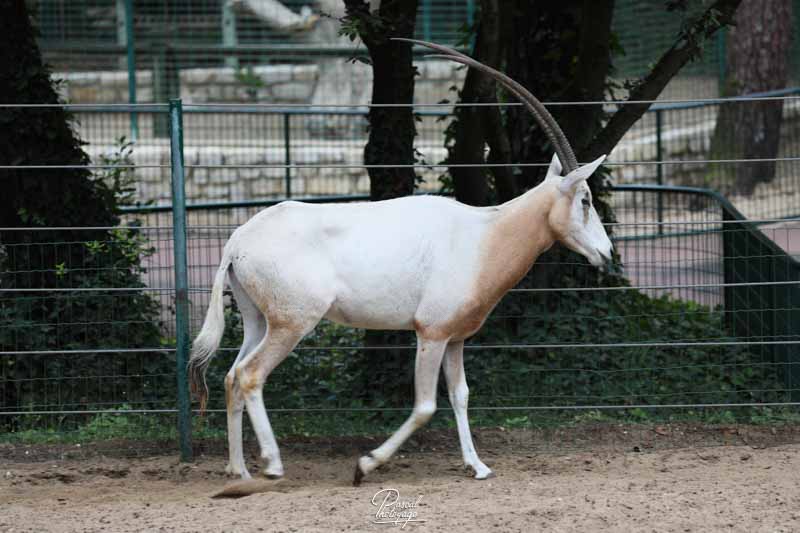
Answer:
(619, 478)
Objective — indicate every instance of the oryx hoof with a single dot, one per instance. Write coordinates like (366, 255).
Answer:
(481, 472)
(272, 472)
(365, 465)
(234, 471)
(358, 476)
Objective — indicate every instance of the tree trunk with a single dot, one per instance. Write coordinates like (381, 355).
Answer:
(687, 46)
(391, 129)
(758, 60)
(478, 126)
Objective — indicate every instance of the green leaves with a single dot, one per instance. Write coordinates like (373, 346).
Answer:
(80, 320)
(594, 371)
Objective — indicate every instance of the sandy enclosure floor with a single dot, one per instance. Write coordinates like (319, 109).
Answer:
(722, 479)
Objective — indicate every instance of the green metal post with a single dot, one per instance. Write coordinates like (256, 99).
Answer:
(166, 78)
(181, 278)
(160, 91)
(426, 20)
(659, 170)
(470, 12)
(126, 38)
(229, 37)
(471, 22)
(287, 135)
(722, 61)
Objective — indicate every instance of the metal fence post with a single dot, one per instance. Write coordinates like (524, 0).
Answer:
(166, 80)
(471, 22)
(426, 20)
(125, 37)
(229, 37)
(659, 170)
(287, 157)
(722, 61)
(181, 277)
(470, 12)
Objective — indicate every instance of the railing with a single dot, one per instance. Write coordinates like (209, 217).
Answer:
(761, 281)
(704, 269)
(670, 145)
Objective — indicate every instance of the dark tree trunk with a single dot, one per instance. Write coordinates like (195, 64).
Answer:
(758, 60)
(543, 40)
(478, 126)
(562, 52)
(687, 46)
(391, 129)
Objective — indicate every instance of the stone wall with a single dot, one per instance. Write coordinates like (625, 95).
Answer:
(235, 173)
(282, 84)
(224, 141)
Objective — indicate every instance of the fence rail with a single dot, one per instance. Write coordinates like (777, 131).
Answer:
(708, 319)
(239, 152)
(134, 36)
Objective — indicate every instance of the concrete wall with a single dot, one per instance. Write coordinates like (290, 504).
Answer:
(225, 181)
(285, 83)
(225, 140)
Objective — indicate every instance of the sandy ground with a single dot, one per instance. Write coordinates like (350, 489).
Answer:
(613, 485)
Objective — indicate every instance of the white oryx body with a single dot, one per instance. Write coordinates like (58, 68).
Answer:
(424, 263)
(375, 265)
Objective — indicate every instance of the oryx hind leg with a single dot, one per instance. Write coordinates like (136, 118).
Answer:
(251, 374)
(293, 304)
(255, 329)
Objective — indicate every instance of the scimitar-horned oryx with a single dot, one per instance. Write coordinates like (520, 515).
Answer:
(422, 263)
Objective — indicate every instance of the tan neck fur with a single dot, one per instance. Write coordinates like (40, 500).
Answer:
(517, 236)
(518, 233)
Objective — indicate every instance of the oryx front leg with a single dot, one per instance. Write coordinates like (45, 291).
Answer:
(426, 375)
(251, 374)
(459, 398)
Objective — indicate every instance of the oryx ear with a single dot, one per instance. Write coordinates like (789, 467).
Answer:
(579, 174)
(555, 166)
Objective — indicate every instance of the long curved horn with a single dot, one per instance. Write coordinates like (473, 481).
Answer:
(542, 115)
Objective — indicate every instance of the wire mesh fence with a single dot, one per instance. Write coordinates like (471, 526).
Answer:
(707, 319)
(223, 50)
(262, 152)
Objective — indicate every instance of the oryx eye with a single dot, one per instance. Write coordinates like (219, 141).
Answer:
(585, 201)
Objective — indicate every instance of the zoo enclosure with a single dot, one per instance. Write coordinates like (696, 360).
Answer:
(211, 51)
(688, 243)
(268, 152)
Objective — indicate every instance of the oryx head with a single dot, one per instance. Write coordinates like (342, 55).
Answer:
(572, 217)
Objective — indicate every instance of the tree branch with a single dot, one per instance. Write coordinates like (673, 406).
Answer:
(687, 47)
